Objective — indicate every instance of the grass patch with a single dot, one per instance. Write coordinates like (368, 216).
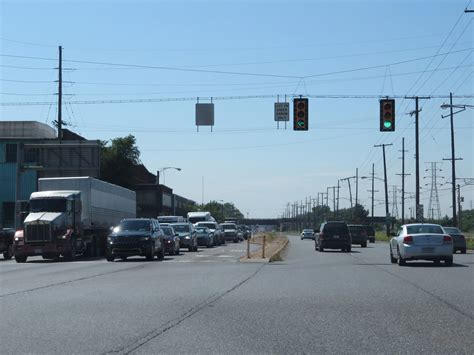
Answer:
(381, 236)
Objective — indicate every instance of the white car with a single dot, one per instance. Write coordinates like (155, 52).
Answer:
(421, 241)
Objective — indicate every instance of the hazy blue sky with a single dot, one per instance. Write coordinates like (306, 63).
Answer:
(338, 47)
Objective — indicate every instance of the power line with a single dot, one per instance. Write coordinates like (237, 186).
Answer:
(216, 98)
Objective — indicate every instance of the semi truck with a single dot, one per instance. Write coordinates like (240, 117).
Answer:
(70, 216)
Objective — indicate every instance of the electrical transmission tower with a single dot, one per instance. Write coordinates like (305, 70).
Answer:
(434, 208)
(394, 202)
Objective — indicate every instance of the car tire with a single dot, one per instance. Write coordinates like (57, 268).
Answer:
(21, 258)
(348, 249)
(177, 251)
(392, 259)
(321, 249)
(448, 261)
(150, 255)
(8, 254)
(372, 240)
(161, 253)
(463, 251)
(109, 256)
(364, 245)
(437, 262)
(123, 258)
(401, 261)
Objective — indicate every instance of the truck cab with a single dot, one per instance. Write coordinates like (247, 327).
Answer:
(51, 227)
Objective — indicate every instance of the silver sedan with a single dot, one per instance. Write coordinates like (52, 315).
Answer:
(421, 241)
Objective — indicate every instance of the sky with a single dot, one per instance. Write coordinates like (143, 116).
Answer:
(139, 67)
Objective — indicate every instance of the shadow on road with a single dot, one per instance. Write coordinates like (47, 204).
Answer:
(431, 265)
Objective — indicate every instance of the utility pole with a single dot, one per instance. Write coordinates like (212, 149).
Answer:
(419, 214)
(453, 161)
(387, 214)
(357, 186)
(403, 179)
(60, 95)
(372, 197)
(348, 179)
(459, 207)
(337, 205)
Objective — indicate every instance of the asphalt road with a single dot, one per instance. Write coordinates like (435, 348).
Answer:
(208, 302)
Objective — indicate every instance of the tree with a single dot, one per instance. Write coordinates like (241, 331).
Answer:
(118, 160)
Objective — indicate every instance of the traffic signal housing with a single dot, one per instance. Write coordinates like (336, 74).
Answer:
(387, 115)
(300, 114)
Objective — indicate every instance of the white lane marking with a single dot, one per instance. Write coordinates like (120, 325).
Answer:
(226, 256)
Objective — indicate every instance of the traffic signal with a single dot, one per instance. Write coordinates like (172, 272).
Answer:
(300, 114)
(387, 115)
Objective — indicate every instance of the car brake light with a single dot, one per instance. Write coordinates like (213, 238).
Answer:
(447, 239)
(408, 240)
(462, 237)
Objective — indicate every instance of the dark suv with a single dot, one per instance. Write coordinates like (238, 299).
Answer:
(358, 234)
(370, 233)
(333, 235)
(136, 236)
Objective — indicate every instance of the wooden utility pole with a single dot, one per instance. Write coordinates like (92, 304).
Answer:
(387, 214)
(60, 95)
(419, 214)
(403, 179)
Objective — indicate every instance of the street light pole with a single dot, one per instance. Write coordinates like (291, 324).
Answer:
(166, 168)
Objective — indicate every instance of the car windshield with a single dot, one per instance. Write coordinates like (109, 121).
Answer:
(452, 230)
(181, 228)
(168, 231)
(201, 229)
(208, 225)
(424, 228)
(307, 231)
(228, 226)
(48, 205)
(135, 225)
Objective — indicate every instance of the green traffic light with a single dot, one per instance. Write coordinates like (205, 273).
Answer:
(387, 124)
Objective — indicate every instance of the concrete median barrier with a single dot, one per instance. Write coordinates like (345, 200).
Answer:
(271, 248)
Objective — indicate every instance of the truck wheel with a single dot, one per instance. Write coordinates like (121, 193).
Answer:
(110, 257)
(21, 258)
(7, 255)
(71, 255)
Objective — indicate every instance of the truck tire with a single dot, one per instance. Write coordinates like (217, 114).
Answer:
(71, 255)
(21, 258)
(8, 254)
(110, 257)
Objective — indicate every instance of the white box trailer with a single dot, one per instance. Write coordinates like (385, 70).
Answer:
(103, 204)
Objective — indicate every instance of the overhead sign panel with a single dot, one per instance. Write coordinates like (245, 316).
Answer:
(205, 114)
(282, 111)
